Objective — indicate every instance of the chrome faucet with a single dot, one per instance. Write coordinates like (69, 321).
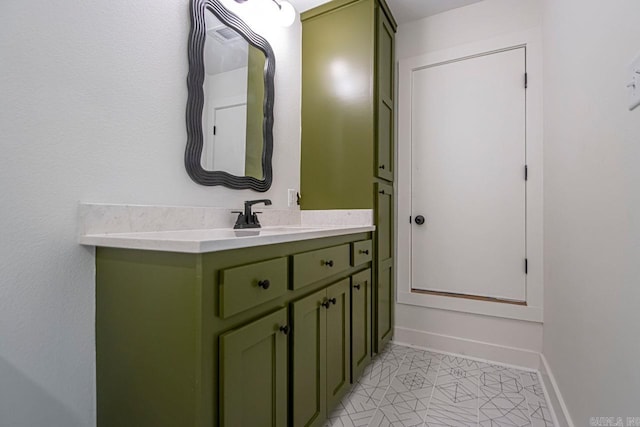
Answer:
(248, 219)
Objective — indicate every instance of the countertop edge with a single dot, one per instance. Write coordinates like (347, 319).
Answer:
(115, 240)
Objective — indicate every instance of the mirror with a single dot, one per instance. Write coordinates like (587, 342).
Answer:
(230, 102)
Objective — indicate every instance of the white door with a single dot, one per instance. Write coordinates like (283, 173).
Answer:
(229, 141)
(468, 180)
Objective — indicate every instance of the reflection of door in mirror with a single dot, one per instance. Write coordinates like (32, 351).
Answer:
(233, 105)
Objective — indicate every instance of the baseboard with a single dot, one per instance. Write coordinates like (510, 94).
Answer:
(466, 347)
(562, 417)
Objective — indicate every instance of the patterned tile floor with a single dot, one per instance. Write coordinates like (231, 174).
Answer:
(405, 386)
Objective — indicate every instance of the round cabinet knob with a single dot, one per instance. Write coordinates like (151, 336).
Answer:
(419, 220)
(329, 263)
(333, 301)
(381, 167)
(284, 329)
(326, 304)
(264, 284)
(366, 252)
(357, 286)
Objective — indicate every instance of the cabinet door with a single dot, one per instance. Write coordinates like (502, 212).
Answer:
(360, 323)
(253, 373)
(308, 317)
(384, 291)
(384, 102)
(338, 109)
(338, 341)
(384, 222)
(385, 301)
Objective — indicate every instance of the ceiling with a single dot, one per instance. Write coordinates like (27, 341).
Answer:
(403, 10)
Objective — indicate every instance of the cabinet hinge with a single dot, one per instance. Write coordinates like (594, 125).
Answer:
(298, 197)
(214, 130)
(409, 220)
(526, 172)
(526, 80)
(526, 266)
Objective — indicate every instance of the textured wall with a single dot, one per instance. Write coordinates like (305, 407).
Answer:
(592, 206)
(92, 108)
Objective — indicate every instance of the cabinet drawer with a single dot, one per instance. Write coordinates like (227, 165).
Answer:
(361, 252)
(312, 266)
(242, 288)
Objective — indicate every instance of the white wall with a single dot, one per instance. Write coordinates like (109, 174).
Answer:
(592, 206)
(92, 108)
(471, 24)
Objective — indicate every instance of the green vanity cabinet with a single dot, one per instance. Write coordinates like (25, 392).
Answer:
(321, 362)
(201, 340)
(253, 373)
(348, 127)
(360, 323)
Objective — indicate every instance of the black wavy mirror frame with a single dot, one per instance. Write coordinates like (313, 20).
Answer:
(195, 100)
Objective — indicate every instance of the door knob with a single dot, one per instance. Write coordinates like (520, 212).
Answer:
(419, 220)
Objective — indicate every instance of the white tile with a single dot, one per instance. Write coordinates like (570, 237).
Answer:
(443, 413)
(502, 408)
(411, 387)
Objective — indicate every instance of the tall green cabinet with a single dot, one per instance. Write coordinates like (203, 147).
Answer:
(348, 116)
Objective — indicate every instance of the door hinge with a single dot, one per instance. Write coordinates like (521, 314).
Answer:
(214, 130)
(298, 197)
(526, 80)
(526, 266)
(526, 172)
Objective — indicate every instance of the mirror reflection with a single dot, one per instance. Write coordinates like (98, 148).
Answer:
(233, 114)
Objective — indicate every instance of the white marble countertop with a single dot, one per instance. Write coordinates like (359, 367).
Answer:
(220, 239)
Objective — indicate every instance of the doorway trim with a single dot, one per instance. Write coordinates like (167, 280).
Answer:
(532, 311)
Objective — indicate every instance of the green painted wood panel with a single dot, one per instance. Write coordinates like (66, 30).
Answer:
(361, 252)
(253, 379)
(338, 372)
(385, 304)
(337, 152)
(385, 65)
(308, 360)
(248, 286)
(385, 150)
(384, 292)
(146, 339)
(384, 221)
(360, 323)
(255, 114)
(312, 266)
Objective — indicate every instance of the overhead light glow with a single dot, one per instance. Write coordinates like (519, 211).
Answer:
(287, 14)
